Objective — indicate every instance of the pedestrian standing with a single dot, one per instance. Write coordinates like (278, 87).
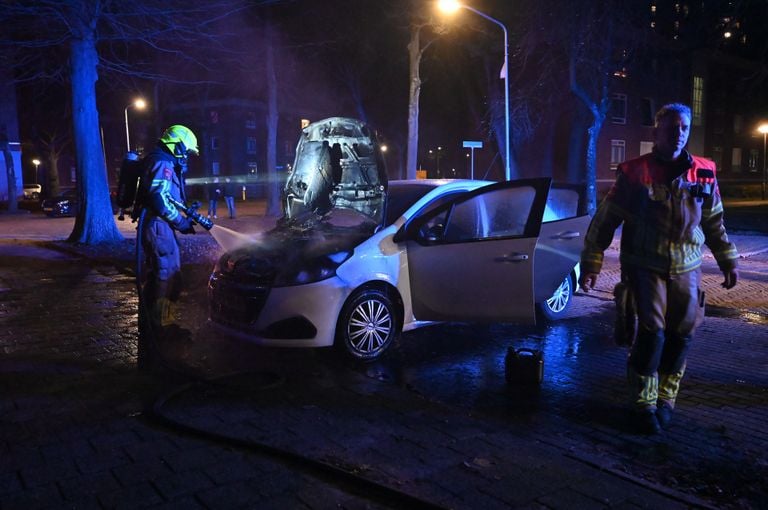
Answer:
(214, 192)
(229, 197)
(669, 204)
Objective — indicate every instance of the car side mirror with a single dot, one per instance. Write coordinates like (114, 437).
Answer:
(432, 234)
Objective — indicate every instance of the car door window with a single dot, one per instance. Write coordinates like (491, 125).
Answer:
(561, 204)
(499, 213)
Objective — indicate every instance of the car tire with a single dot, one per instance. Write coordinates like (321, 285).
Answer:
(368, 325)
(35, 195)
(557, 304)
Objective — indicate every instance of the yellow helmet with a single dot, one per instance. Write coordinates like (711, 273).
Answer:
(180, 140)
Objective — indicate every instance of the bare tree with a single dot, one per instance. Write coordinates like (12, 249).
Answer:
(273, 204)
(593, 43)
(98, 36)
(423, 32)
(53, 144)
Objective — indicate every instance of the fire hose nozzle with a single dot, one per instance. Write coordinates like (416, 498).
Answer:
(191, 212)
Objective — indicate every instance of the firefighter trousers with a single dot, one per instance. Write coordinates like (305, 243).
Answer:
(669, 309)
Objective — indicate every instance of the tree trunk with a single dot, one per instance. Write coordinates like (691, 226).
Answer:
(576, 156)
(52, 172)
(95, 222)
(274, 186)
(599, 109)
(591, 164)
(10, 172)
(412, 150)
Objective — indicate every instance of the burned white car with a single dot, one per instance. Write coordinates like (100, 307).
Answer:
(357, 260)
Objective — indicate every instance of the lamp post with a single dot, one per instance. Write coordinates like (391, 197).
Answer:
(140, 104)
(451, 6)
(36, 162)
(763, 128)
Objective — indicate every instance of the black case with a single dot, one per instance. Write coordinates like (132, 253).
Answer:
(524, 366)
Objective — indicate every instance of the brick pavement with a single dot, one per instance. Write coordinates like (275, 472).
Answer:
(75, 432)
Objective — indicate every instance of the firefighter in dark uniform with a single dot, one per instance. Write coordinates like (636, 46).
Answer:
(158, 249)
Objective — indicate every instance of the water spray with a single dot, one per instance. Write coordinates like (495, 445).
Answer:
(227, 238)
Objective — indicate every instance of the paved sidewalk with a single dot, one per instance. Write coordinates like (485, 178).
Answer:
(298, 430)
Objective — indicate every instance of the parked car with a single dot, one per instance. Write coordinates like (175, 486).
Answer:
(68, 203)
(32, 191)
(357, 260)
(65, 204)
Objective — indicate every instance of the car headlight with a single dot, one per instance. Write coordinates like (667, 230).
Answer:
(310, 271)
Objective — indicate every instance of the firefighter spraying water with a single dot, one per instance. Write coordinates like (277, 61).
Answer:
(227, 238)
(153, 188)
(160, 186)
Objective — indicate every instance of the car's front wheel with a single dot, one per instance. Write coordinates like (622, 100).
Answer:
(367, 325)
(556, 305)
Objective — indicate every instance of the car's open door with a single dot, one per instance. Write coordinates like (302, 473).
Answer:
(471, 259)
(560, 241)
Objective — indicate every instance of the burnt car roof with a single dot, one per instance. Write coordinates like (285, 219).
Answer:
(338, 165)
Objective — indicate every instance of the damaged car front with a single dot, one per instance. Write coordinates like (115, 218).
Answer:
(282, 288)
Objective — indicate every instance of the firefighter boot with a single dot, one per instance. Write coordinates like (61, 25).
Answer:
(669, 385)
(644, 391)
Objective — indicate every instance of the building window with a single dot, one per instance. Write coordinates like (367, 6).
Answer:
(646, 147)
(214, 143)
(618, 153)
(754, 157)
(250, 145)
(648, 112)
(215, 168)
(253, 168)
(736, 159)
(619, 109)
(698, 100)
(250, 121)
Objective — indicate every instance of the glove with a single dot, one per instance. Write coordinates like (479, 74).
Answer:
(184, 225)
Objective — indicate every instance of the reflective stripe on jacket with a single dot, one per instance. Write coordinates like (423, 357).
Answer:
(164, 180)
(665, 223)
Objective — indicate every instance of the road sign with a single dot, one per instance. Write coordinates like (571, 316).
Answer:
(472, 145)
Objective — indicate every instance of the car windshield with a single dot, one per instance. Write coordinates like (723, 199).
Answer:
(338, 166)
(402, 196)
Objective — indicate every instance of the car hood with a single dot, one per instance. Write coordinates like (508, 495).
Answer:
(338, 165)
(295, 246)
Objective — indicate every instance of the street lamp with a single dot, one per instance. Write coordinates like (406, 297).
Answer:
(763, 128)
(36, 162)
(139, 104)
(451, 6)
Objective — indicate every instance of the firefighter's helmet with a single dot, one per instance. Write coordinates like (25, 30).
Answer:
(180, 140)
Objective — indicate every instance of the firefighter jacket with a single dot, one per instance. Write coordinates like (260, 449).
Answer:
(162, 179)
(668, 209)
